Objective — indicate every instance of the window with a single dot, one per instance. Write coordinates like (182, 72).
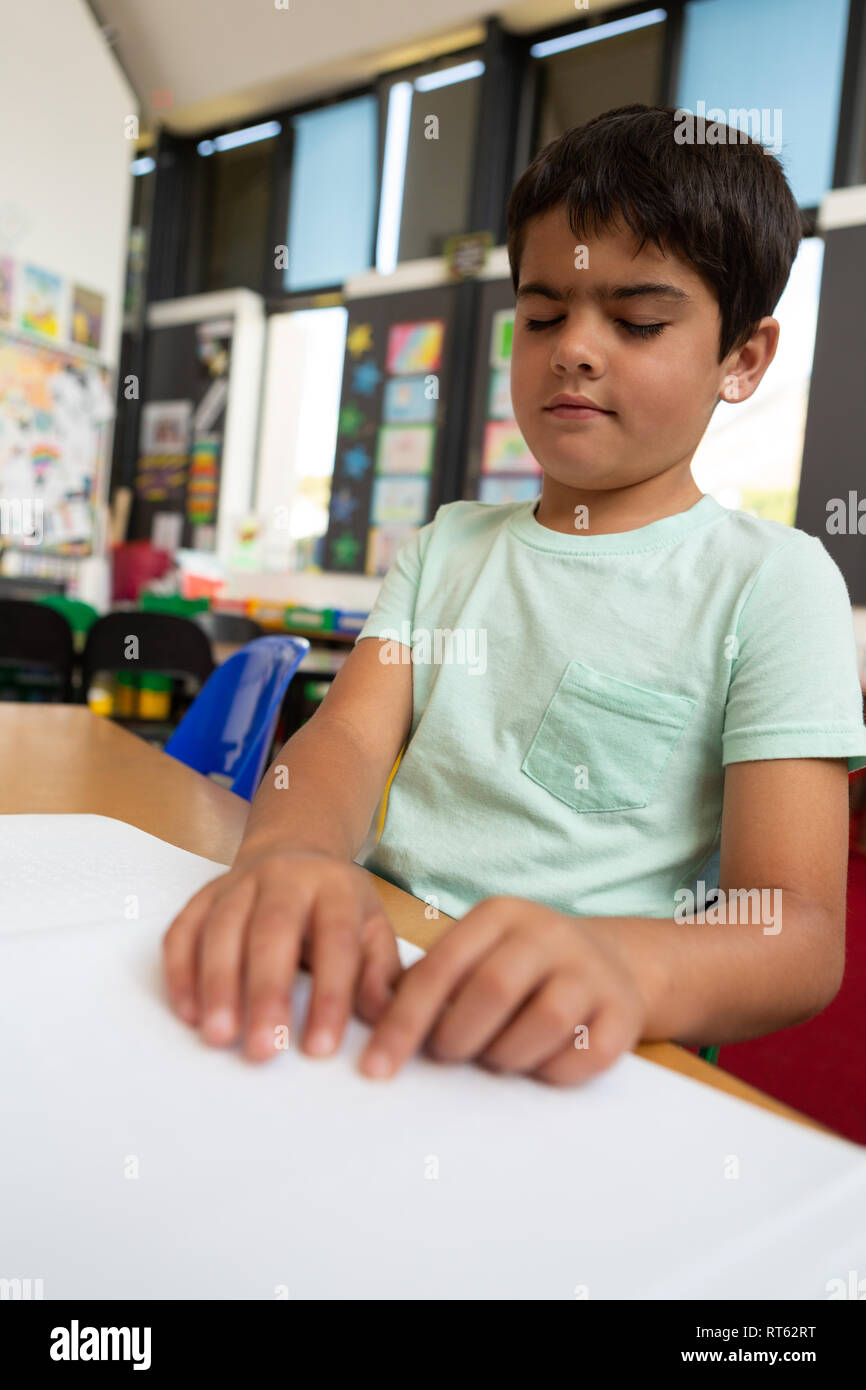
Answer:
(431, 120)
(751, 454)
(782, 58)
(237, 202)
(596, 69)
(298, 429)
(332, 202)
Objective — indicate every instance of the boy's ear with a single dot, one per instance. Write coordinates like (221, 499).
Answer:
(751, 362)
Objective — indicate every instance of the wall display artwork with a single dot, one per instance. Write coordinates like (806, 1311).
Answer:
(500, 491)
(399, 500)
(501, 335)
(505, 449)
(383, 542)
(405, 449)
(165, 427)
(388, 439)
(499, 395)
(161, 474)
(203, 481)
(54, 410)
(415, 347)
(409, 400)
(41, 299)
(88, 309)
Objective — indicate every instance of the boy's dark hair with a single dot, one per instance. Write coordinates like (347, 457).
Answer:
(726, 208)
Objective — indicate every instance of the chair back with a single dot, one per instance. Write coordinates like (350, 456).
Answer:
(229, 728)
(35, 636)
(165, 644)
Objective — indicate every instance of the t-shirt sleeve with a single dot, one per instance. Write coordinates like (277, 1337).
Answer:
(393, 613)
(794, 689)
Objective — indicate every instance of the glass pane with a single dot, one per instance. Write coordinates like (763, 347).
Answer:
(299, 428)
(438, 167)
(583, 82)
(239, 203)
(333, 195)
(751, 454)
(781, 57)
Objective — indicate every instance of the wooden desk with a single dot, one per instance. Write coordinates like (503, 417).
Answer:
(62, 758)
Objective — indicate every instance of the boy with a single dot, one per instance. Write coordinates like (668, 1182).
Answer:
(668, 697)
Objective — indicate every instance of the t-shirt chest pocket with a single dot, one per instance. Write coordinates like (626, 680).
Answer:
(604, 743)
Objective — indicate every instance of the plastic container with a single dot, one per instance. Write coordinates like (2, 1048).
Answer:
(100, 696)
(154, 696)
(125, 695)
(312, 619)
(346, 621)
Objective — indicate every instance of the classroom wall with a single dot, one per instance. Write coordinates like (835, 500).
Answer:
(65, 186)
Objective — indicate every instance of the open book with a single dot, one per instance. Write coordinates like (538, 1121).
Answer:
(139, 1163)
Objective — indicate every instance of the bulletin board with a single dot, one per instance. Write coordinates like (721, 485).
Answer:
(183, 414)
(389, 439)
(55, 410)
(500, 467)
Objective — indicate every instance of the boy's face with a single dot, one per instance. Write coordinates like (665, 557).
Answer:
(575, 332)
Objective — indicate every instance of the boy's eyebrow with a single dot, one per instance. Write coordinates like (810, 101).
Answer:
(658, 290)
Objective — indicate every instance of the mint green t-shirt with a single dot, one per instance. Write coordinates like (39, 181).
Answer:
(576, 699)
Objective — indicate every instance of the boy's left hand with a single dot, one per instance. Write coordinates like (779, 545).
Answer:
(520, 988)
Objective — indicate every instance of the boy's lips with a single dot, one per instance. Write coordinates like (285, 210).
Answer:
(568, 407)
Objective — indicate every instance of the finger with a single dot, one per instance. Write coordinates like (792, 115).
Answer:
(491, 994)
(220, 963)
(335, 954)
(426, 986)
(180, 949)
(548, 1022)
(611, 1033)
(381, 967)
(271, 955)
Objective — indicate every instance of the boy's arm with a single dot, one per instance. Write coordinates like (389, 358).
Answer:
(337, 764)
(511, 981)
(784, 827)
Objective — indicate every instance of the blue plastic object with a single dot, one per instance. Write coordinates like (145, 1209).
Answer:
(229, 727)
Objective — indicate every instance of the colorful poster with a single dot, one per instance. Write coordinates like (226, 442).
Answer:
(165, 427)
(500, 491)
(6, 279)
(499, 398)
(505, 449)
(407, 399)
(415, 347)
(88, 308)
(383, 542)
(160, 477)
(203, 481)
(405, 449)
(399, 500)
(53, 411)
(41, 293)
(501, 335)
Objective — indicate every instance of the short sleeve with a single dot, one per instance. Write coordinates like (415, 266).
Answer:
(794, 689)
(393, 614)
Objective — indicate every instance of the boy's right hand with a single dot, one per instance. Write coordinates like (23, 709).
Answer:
(231, 955)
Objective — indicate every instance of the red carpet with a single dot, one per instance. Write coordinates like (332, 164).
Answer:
(819, 1067)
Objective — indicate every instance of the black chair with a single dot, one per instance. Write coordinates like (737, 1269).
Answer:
(165, 645)
(37, 638)
(168, 645)
(228, 627)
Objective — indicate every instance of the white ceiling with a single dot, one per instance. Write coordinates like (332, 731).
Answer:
(226, 60)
